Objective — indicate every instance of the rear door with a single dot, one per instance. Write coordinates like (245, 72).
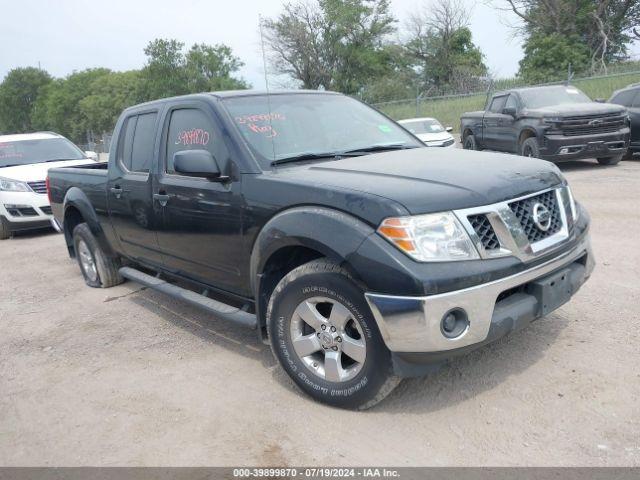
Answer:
(129, 189)
(200, 235)
(507, 137)
(491, 123)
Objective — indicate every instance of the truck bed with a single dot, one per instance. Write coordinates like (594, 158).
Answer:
(91, 179)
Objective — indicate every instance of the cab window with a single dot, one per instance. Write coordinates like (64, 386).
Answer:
(497, 104)
(136, 145)
(192, 129)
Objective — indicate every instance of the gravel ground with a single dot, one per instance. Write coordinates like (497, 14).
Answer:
(126, 376)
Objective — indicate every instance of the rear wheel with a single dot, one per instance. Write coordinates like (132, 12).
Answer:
(469, 142)
(323, 334)
(98, 270)
(529, 148)
(5, 233)
(610, 160)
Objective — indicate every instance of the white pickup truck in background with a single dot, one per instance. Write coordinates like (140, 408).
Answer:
(25, 160)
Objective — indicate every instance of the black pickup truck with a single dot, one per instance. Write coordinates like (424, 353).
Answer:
(555, 123)
(358, 254)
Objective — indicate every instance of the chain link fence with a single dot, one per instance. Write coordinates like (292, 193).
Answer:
(448, 108)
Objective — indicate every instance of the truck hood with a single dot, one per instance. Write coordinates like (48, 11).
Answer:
(576, 109)
(426, 180)
(37, 172)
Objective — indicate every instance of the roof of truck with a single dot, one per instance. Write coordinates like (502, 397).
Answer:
(233, 93)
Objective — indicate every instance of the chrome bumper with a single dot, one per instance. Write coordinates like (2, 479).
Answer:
(413, 324)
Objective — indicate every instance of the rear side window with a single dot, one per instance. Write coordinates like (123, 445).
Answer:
(192, 129)
(137, 140)
(624, 98)
(497, 104)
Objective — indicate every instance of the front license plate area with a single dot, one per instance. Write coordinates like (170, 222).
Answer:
(552, 291)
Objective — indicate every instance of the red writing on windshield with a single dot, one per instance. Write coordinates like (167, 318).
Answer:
(261, 122)
(195, 136)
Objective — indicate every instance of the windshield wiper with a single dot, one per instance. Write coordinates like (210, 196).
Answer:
(378, 148)
(305, 156)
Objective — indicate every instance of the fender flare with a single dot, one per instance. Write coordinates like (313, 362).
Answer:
(333, 233)
(76, 198)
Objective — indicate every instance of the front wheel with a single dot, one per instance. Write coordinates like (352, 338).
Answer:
(98, 270)
(323, 334)
(5, 233)
(610, 160)
(529, 148)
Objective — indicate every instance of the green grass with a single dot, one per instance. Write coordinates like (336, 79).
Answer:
(448, 110)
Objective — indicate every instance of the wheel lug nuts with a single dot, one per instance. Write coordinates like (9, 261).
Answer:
(324, 327)
(339, 339)
(335, 349)
(333, 329)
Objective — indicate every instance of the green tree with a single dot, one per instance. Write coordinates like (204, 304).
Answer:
(58, 106)
(442, 47)
(603, 28)
(210, 68)
(18, 94)
(110, 94)
(338, 45)
(548, 58)
(164, 75)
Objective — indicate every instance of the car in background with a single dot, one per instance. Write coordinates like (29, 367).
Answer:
(629, 97)
(556, 123)
(25, 160)
(430, 131)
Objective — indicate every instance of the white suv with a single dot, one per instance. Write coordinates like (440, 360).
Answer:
(25, 160)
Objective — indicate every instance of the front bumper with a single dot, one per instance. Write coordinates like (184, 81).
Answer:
(413, 325)
(25, 211)
(580, 147)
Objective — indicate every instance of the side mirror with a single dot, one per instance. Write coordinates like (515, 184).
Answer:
(197, 163)
(600, 100)
(91, 155)
(509, 111)
(449, 129)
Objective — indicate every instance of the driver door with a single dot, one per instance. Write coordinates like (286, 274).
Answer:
(201, 231)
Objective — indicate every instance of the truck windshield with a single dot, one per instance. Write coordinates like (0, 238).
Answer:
(308, 126)
(429, 125)
(550, 96)
(25, 152)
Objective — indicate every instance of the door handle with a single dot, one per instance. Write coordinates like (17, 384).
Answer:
(117, 191)
(162, 198)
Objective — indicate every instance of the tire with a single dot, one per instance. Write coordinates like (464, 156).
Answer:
(322, 294)
(98, 270)
(529, 148)
(470, 143)
(628, 155)
(610, 160)
(5, 233)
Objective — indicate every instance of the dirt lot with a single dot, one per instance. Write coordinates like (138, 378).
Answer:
(126, 376)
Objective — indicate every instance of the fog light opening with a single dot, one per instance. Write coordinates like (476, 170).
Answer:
(454, 323)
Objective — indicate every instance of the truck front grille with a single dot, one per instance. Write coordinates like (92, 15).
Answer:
(485, 232)
(38, 187)
(592, 124)
(523, 210)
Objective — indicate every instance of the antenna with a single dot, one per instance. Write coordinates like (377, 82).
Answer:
(266, 84)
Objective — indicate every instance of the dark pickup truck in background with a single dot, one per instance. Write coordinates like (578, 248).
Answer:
(629, 98)
(358, 254)
(555, 123)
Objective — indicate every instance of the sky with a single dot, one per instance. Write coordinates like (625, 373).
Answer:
(66, 35)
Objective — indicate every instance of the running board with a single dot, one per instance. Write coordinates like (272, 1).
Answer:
(219, 309)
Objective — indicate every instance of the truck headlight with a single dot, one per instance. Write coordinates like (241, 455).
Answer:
(435, 237)
(8, 185)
